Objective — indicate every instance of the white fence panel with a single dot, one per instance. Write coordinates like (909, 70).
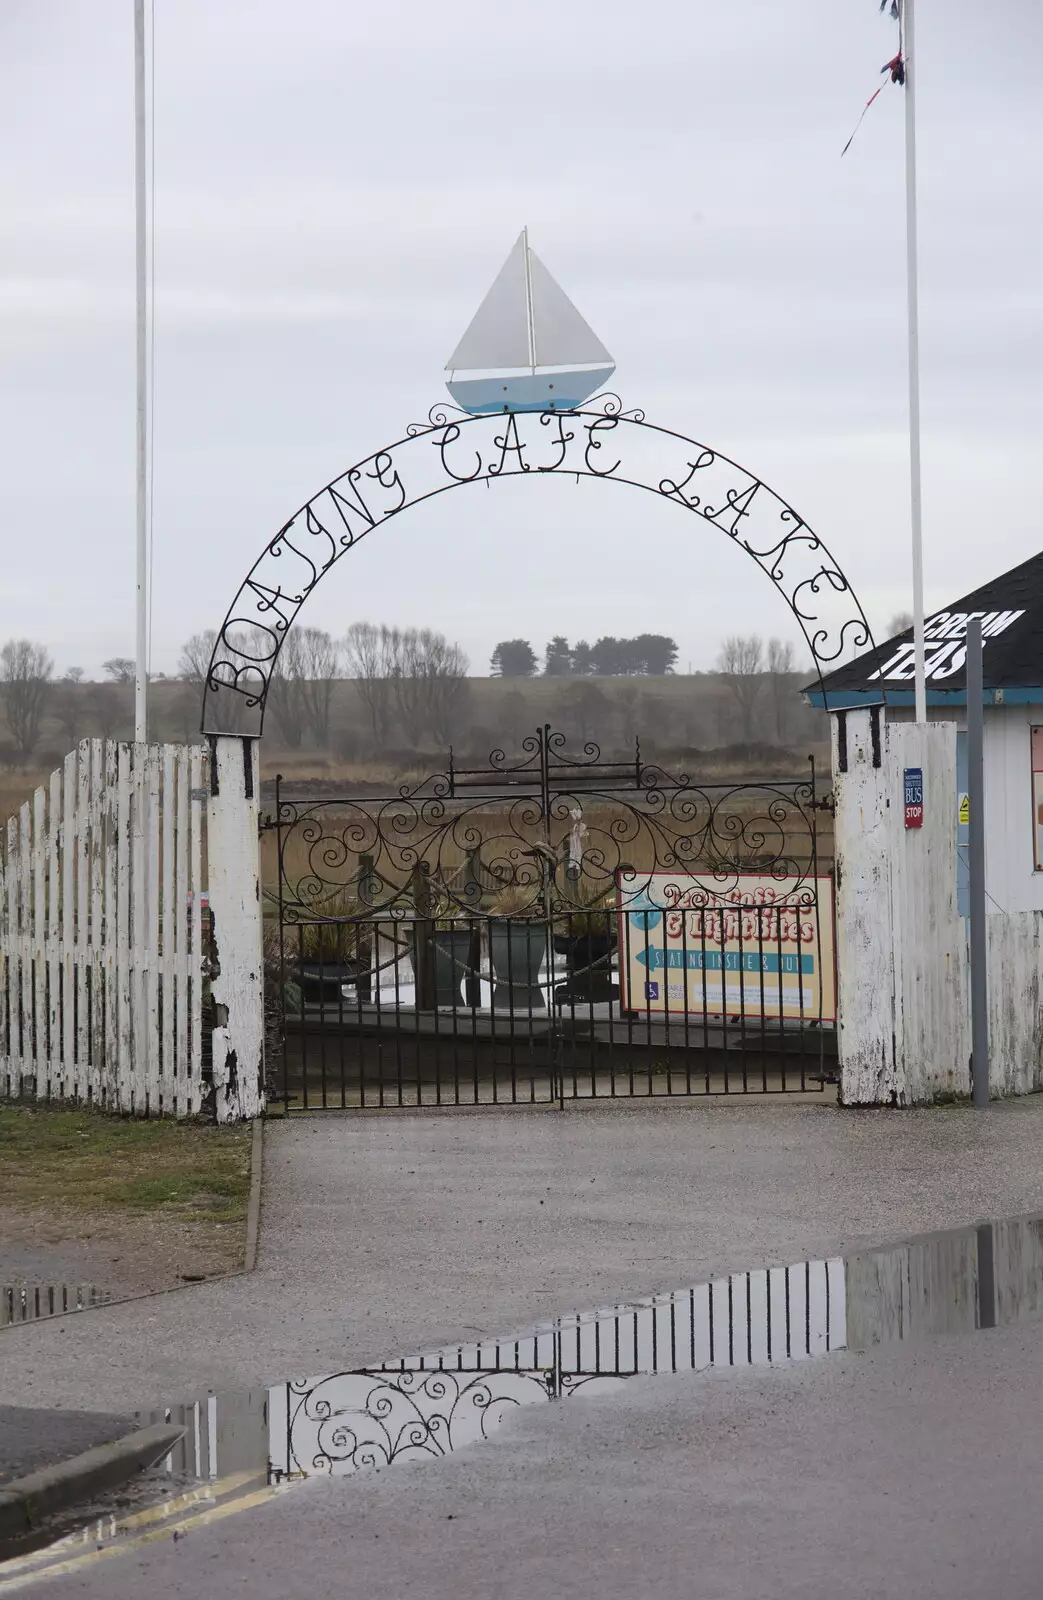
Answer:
(102, 952)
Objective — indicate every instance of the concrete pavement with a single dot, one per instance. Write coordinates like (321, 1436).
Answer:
(911, 1471)
(31, 1438)
(395, 1232)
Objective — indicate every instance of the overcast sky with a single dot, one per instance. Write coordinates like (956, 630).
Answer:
(337, 184)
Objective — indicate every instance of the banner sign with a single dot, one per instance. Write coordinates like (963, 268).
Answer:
(763, 947)
(946, 636)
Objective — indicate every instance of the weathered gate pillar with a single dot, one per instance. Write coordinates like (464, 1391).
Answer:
(234, 879)
(901, 944)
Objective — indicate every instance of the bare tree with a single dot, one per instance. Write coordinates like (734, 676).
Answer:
(192, 667)
(370, 654)
(901, 622)
(111, 707)
(25, 677)
(194, 660)
(430, 684)
(447, 688)
(320, 666)
(69, 702)
(781, 667)
(407, 680)
(740, 662)
(287, 689)
(121, 669)
(245, 651)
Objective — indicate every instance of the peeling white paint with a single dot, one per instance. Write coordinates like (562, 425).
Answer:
(93, 994)
(237, 982)
(865, 950)
(902, 947)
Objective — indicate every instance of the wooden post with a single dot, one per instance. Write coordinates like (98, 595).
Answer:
(237, 980)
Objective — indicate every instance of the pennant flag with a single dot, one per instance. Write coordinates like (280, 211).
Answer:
(896, 67)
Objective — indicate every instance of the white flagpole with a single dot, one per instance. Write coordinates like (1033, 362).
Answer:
(141, 663)
(912, 283)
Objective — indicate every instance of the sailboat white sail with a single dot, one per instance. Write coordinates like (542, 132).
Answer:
(527, 348)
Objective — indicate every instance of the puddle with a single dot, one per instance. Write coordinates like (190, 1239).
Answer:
(421, 1407)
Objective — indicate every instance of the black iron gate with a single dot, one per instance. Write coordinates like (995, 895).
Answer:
(550, 928)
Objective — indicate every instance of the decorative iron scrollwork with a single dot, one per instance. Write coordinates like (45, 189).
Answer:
(601, 440)
(353, 1420)
(551, 832)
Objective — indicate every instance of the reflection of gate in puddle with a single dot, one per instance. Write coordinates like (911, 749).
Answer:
(364, 1419)
(425, 1406)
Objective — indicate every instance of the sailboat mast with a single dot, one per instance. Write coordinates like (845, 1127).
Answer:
(530, 319)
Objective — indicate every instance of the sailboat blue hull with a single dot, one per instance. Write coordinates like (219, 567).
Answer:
(552, 391)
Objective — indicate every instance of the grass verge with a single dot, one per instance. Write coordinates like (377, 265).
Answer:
(86, 1162)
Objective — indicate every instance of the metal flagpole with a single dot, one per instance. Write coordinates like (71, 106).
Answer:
(140, 670)
(912, 276)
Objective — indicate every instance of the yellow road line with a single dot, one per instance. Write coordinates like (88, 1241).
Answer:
(107, 1527)
(41, 1564)
(207, 1491)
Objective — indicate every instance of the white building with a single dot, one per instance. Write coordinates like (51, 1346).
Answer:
(903, 881)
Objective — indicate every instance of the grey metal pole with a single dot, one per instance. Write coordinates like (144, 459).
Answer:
(976, 796)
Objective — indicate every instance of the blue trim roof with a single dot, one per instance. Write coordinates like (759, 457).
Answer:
(854, 699)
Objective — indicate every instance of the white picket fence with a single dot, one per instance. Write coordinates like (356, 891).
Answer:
(101, 932)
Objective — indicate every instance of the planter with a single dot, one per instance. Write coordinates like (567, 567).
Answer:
(517, 950)
(320, 982)
(452, 947)
(583, 949)
(589, 978)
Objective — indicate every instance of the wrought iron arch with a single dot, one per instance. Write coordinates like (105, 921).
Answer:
(600, 440)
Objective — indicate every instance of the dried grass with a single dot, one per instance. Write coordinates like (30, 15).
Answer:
(337, 869)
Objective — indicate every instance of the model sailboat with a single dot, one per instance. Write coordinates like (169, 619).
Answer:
(527, 347)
